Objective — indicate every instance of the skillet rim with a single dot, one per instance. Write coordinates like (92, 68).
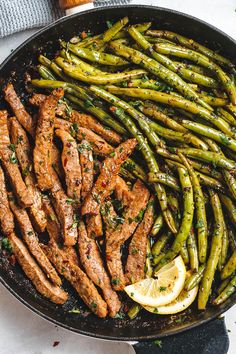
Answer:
(172, 331)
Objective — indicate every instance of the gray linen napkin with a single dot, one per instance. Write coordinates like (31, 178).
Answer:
(18, 15)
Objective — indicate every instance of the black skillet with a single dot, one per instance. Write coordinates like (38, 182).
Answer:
(146, 327)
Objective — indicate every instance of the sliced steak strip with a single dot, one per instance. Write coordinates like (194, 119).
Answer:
(116, 239)
(37, 99)
(92, 262)
(78, 279)
(87, 167)
(64, 211)
(109, 217)
(19, 110)
(71, 164)
(122, 191)
(99, 145)
(32, 241)
(54, 231)
(134, 270)
(87, 121)
(23, 152)
(9, 162)
(35, 274)
(107, 178)
(56, 162)
(6, 217)
(43, 141)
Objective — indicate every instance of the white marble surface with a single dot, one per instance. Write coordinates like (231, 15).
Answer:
(23, 332)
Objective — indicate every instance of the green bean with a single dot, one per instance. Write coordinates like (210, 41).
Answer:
(177, 102)
(174, 205)
(192, 251)
(102, 79)
(178, 136)
(201, 224)
(159, 245)
(141, 27)
(206, 283)
(150, 84)
(230, 267)
(209, 156)
(210, 182)
(182, 71)
(159, 116)
(152, 164)
(95, 56)
(223, 285)
(231, 237)
(134, 311)
(227, 116)
(165, 179)
(45, 72)
(80, 64)
(69, 88)
(196, 68)
(202, 60)
(194, 278)
(232, 109)
(203, 168)
(157, 225)
(157, 69)
(211, 133)
(228, 177)
(148, 263)
(116, 28)
(224, 248)
(44, 60)
(187, 218)
(138, 116)
(229, 290)
(190, 43)
(184, 253)
(214, 101)
(230, 207)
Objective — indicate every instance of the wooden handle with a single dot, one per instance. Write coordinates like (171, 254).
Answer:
(68, 4)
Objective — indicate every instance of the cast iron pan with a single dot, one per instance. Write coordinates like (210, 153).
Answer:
(146, 326)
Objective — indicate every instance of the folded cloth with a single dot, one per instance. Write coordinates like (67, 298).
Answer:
(18, 15)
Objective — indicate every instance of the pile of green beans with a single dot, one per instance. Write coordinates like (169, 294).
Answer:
(178, 99)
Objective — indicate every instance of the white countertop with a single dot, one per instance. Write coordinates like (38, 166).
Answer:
(23, 332)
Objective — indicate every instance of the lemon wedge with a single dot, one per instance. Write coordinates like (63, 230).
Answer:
(183, 301)
(164, 289)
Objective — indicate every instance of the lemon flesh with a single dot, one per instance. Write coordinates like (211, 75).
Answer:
(182, 302)
(164, 289)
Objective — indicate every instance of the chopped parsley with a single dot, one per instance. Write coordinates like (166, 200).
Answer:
(74, 310)
(109, 24)
(158, 342)
(134, 251)
(112, 154)
(162, 288)
(69, 201)
(120, 315)
(88, 104)
(139, 217)
(30, 233)
(199, 224)
(94, 305)
(6, 245)
(96, 197)
(84, 146)
(115, 281)
(74, 129)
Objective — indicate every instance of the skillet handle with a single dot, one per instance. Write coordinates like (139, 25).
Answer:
(208, 338)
